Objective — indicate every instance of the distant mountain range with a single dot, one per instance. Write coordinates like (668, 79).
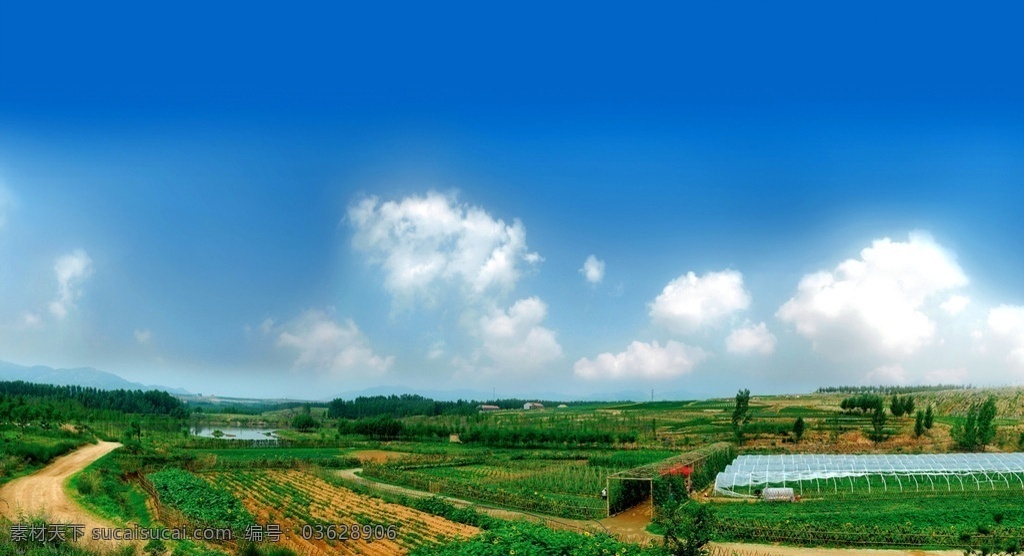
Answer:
(81, 376)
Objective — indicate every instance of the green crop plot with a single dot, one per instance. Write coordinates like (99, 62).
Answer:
(566, 484)
(199, 500)
(910, 520)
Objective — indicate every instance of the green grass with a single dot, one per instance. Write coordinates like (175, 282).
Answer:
(25, 450)
(110, 495)
(908, 520)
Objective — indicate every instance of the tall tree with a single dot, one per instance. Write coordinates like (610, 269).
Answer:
(798, 429)
(929, 417)
(878, 424)
(741, 414)
(986, 429)
(688, 529)
(919, 424)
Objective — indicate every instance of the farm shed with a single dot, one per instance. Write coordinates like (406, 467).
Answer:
(833, 473)
(487, 407)
(533, 405)
(632, 486)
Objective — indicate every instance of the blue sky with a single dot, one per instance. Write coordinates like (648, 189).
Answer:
(305, 202)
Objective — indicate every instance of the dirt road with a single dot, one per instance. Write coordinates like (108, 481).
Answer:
(42, 493)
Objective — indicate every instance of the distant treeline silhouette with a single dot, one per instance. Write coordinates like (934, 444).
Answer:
(24, 400)
(407, 405)
(889, 390)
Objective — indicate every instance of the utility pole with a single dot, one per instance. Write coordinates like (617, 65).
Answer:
(652, 395)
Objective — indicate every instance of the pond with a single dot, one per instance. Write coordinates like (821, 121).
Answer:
(236, 433)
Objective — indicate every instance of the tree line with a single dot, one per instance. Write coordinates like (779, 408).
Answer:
(889, 390)
(23, 401)
(408, 405)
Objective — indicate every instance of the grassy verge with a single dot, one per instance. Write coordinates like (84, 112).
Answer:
(26, 450)
(102, 489)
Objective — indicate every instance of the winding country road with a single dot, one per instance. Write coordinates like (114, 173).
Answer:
(42, 493)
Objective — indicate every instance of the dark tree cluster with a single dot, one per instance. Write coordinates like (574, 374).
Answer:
(863, 402)
(901, 405)
(23, 401)
(976, 430)
(408, 405)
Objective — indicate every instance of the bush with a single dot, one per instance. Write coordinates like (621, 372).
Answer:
(87, 483)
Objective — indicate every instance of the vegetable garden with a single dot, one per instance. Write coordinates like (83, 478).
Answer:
(565, 484)
(313, 513)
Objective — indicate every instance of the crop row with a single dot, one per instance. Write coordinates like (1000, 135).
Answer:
(574, 507)
(911, 520)
(892, 535)
(199, 500)
(295, 499)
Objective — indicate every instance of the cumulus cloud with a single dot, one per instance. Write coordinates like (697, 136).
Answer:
(143, 337)
(875, 303)
(642, 360)
(71, 270)
(1006, 325)
(751, 339)
(515, 340)
(326, 345)
(955, 304)
(593, 270)
(427, 243)
(691, 302)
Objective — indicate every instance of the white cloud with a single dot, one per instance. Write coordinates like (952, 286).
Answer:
(593, 270)
(436, 350)
(888, 374)
(642, 360)
(70, 269)
(946, 376)
(690, 302)
(873, 304)
(1006, 324)
(751, 339)
(428, 243)
(143, 337)
(326, 345)
(515, 339)
(267, 325)
(31, 320)
(955, 304)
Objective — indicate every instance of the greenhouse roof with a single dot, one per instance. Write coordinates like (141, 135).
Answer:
(757, 471)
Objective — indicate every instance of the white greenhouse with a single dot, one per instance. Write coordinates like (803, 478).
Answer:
(746, 476)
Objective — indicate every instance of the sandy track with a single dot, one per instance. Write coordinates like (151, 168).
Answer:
(42, 493)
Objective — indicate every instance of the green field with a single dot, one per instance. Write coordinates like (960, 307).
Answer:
(971, 519)
(566, 484)
(550, 463)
